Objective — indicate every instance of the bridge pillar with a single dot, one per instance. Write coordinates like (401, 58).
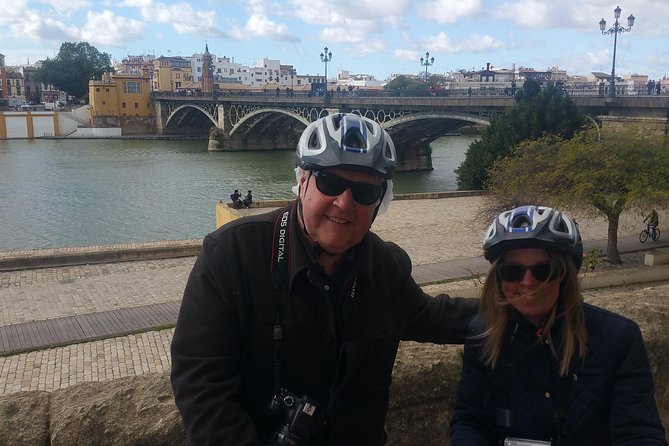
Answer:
(160, 118)
(414, 158)
(221, 117)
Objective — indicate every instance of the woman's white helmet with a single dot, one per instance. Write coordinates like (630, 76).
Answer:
(347, 140)
(533, 227)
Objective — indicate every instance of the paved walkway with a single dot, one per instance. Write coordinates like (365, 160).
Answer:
(127, 308)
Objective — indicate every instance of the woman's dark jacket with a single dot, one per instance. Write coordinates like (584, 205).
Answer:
(606, 399)
(223, 348)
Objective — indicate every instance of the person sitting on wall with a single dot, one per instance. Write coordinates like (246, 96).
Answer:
(235, 197)
(248, 200)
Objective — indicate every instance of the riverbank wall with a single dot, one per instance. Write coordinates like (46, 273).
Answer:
(141, 410)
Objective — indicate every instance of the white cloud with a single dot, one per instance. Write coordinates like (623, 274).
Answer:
(364, 49)
(35, 28)
(183, 18)
(405, 54)
(448, 11)
(13, 11)
(325, 12)
(599, 60)
(259, 24)
(474, 43)
(106, 28)
(67, 7)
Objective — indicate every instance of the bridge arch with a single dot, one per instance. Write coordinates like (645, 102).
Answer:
(254, 118)
(182, 112)
(412, 117)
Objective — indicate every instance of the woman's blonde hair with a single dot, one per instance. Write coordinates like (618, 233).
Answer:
(494, 314)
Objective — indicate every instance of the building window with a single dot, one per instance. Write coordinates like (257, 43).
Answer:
(107, 90)
(132, 87)
(122, 104)
(136, 104)
(97, 89)
(104, 102)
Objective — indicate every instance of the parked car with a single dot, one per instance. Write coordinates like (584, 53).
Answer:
(26, 107)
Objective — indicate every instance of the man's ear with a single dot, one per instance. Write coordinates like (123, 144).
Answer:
(300, 185)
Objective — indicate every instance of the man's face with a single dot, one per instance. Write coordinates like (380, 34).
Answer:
(338, 222)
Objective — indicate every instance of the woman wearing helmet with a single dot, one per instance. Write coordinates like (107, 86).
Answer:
(541, 365)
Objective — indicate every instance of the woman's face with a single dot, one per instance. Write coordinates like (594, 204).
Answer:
(534, 299)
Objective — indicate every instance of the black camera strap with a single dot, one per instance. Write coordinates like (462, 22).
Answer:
(280, 277)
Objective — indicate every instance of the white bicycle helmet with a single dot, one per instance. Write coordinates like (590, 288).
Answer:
(533, 227)
(347, 140)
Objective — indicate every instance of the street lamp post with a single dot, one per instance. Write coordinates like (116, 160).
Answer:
(615, 30)
(326, 56)
(427, 63)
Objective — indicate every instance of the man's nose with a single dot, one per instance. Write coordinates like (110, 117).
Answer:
(345, 200)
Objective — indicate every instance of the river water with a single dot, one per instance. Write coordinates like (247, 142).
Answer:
(57, 193)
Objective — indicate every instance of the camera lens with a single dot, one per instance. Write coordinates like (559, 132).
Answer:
(289, 401)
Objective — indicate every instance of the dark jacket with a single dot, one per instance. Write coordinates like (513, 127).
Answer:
(222, 350)
(607, 399)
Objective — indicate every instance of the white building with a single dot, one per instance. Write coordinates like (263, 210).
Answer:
(346, 79)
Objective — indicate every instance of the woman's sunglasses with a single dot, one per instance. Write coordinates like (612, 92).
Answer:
(333, 185)
(512, 272)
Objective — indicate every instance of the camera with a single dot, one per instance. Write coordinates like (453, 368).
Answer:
(299, 417)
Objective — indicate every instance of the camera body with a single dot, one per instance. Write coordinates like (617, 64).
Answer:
(299, 417)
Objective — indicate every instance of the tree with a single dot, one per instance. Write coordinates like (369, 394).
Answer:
(73, 67)
(414, 86)
(538, 111)
(627, 169)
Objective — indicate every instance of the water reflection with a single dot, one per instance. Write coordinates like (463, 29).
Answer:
(87, 192)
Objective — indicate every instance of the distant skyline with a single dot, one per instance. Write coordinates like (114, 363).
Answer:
(365, 36)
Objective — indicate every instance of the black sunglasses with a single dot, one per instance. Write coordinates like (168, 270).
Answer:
(333, 185)
(512, 272)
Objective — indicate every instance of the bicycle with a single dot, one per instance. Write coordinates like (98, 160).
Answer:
(647, 233)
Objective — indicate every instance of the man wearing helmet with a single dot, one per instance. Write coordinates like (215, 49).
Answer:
(291, 320)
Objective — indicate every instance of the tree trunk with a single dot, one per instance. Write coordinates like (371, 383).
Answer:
(612, 254)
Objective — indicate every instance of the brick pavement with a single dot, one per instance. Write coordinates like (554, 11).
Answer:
(431, 231)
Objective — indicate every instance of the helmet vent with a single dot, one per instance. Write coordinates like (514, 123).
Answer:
(336, 121)
(314, 141)
(354, 139)
(521, 222)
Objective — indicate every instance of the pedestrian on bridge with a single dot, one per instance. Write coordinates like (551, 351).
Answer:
(291, 320)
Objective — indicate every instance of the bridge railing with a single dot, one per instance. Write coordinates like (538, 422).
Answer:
(454, 93)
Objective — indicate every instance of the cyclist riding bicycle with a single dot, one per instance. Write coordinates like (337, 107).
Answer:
(652, 220)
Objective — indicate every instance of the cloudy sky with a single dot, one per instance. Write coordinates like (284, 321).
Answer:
(377, 37)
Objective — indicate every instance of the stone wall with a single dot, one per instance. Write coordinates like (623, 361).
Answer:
(140, 410)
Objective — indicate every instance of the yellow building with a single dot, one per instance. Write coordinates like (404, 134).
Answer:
(171, 73)
(120, 95)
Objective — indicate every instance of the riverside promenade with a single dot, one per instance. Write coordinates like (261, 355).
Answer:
(95, 320)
